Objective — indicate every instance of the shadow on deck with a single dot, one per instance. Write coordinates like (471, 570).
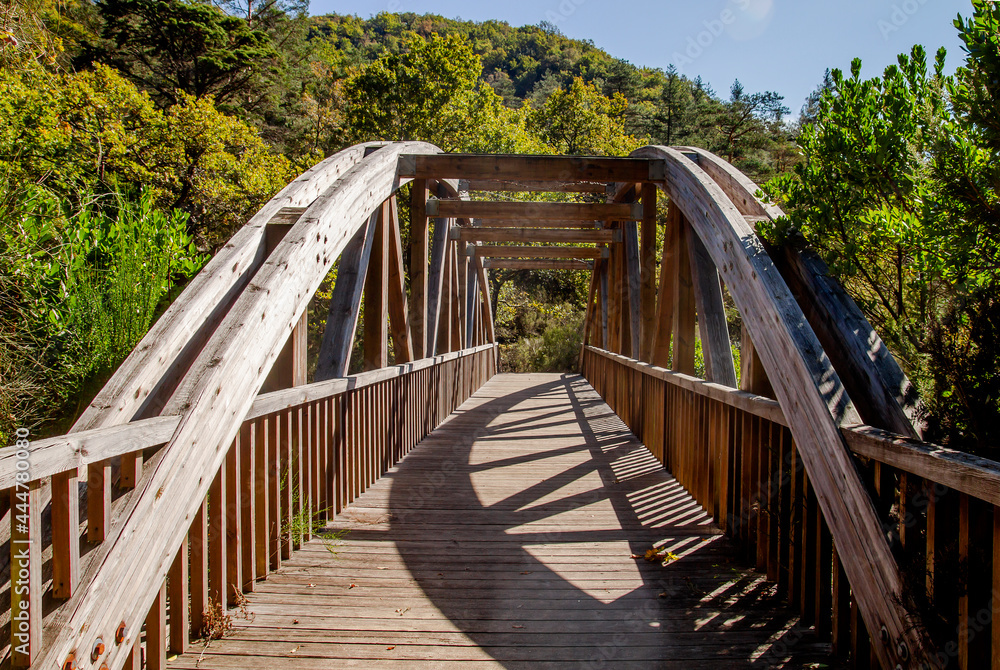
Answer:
(505, 539)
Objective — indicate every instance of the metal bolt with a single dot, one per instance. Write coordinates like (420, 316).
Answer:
(884, 634)
(121, 633)
(98, 649)
(902, 651)
(70, 662)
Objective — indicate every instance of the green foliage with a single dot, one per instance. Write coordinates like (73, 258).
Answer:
(580, 120)
(898, 192)
(94, 130)
(536, 335)
(173, 48)
(80, 287)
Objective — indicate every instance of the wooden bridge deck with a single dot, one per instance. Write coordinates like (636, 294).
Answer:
(505, 539)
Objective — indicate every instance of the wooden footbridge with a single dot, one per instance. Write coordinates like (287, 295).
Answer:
(791, 514)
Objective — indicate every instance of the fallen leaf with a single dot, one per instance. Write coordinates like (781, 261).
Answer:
(390, 648)
(312, 586)
(526, 572)
(294, 649)
(516, 626)
(295, 620)
(352, 586)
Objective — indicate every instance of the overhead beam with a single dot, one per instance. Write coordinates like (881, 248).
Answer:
(538, 252)
(468, 234)
(536, 223)
(530, 168)
(537, 264)
(535, 211)
(520, 186)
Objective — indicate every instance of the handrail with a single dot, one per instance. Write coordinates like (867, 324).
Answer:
(51, 456)
(976, 476)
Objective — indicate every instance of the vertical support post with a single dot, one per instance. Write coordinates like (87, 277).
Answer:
(648, 270)
(402, 342)
(665, 301)
(377, 296)
(217, 517)
(418, 267)
(177, 581)
(98, 501)
(198, 538)
(156, 632)
(633, 273)
(66, 533)
(684, 304)
(234, 525)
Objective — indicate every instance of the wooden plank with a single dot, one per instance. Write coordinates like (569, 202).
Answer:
(517, 210)
(442, 229)
(753, 376)
(534, 224)
(647, 267)
(345, 302)
(156, 632)
(455, 284)
(177, 584)
(248, 510)
(69, 453)
(684, 305)
(604, 303)
(217, 539)
(376, 337)
(98, 501)
(712, 326)
(583, 253)
(234, 516)
(666, 294)
(884, 395)
(529, 168)
(811, 394)
(487, 304)
(536, 264)
(467, 234)
(462, 261)
(487, 185)
(471, 301)
(633, 274)
(65, 532)
(198, 570)
(26, 574)
(418, 268)
(402, 343)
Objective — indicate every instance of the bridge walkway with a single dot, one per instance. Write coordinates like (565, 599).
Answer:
(513, 536)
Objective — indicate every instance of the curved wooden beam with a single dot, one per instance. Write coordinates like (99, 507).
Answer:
(811, 396)
(884, 395)
(212, 399)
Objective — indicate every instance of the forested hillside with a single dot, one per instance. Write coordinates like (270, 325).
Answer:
(137, 135)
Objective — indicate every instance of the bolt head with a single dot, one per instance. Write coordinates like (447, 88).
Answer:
(69, 663)
(121, 633)
(902, 650)
(884, 634)
(98, 650)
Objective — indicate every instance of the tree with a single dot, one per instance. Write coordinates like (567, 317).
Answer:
(746, 124)
(579, 120)
(898, 191)
(173, 47)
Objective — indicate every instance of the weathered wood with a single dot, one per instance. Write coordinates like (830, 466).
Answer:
(667, 290)
(376, 338)
(484, 286)
(198, 569)
(884, 396)
(684, 304)
(65, 531)
(442, 228)
(487, 185)
(177, 585)
(647, 267)
(583, 253)
(753, 376)
(467, 234)
(534, 224)
(418, 268)
(156, 632)
(217, 536)
(234, 516)
(471, 301)
(534, 211)
(811, 394)
(221, 378)
(68, 453)
(633, 275)
(530, 168)
(345, 302)
(537, 264)
(712, 325)
(402, 344)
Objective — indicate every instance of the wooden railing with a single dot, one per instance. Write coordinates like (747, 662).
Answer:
(302, 455)
(733, 452)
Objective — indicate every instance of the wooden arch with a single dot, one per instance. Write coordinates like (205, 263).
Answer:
(194, 378)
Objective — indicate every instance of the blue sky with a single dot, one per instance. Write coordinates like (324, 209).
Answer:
(778, 45)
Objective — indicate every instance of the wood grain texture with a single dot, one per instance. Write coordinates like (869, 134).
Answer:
(712, 325)
(811, 395)
(884, 395)
(533, 211)
(537, 264)
(216, 397)
(492, 251)
(521, 235)
(505, 539)
(531, 168)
